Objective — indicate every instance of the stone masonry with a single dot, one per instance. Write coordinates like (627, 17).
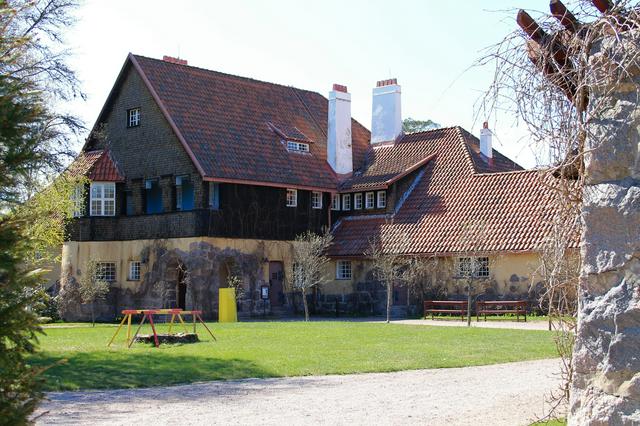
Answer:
(606, 359)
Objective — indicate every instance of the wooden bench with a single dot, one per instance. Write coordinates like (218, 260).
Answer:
(498, 307)
(445, 307)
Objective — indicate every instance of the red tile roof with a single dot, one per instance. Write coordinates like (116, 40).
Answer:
(223, 121)
(385, 163)
(97, 166)
(449, 196)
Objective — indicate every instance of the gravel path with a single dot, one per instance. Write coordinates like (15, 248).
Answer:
(502, 394)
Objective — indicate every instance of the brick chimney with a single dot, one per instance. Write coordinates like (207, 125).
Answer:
(174, 60)
(386, 117)
(339, 153)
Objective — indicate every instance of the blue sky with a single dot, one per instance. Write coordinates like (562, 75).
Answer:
(429, 46)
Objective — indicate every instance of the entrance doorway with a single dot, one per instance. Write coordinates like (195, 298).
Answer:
(276, 276)
(181, 290)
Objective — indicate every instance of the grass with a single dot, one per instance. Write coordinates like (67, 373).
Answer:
(273, 349)
(554, 422)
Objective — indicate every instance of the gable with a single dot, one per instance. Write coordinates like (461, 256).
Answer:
(148, 150)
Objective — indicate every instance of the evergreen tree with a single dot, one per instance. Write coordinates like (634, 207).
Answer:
(34, 144)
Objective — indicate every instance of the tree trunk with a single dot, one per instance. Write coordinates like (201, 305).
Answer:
(389, 294)
(93, 317)
(469, 303)
(304, 303)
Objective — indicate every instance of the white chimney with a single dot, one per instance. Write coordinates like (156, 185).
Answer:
(339, 153)
(386, 118)
(485, 141)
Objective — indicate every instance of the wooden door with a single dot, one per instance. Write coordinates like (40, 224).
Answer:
(276, 276)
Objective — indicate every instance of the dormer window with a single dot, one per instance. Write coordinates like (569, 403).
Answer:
(346, 202)
(382, 199)
(133, 117)
(369, 200)
(335, 202)
(293, 146)
(357, 201)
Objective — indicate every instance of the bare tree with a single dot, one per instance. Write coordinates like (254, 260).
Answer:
(93, 286)
(309, 267)
(471, 262)
(387, 264)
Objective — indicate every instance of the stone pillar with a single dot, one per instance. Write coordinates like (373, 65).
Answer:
(606, 359)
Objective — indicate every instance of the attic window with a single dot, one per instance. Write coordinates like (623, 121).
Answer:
(133, 117)
(293, 146)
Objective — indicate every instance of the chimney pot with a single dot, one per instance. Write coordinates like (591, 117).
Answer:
(388, 82)
(340, 88)
(173, 60)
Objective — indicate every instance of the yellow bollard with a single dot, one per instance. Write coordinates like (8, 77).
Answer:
(227, 305)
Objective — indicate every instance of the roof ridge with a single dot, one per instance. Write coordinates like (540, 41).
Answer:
(228, 75)
(430, 130)
(510, 172)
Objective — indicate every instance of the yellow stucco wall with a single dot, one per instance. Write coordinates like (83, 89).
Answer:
(75, 254)
(503, 267)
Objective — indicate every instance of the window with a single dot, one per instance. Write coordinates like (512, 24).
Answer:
(477, 267)
(382, 199)
(153, 196)
(297, 146)
(134, 270)
(184, 193)
(335, 201)
(77, 198)
(343, 270)
(106, 271)
(357, 201)
(214, 195)
(292, 197)
(103, 199)
(369, 200)
(316, 200)
(346, 202)
(133, 117)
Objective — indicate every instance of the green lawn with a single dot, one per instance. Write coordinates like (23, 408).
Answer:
(276, 349)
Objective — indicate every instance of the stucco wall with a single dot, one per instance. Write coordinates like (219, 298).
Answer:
(75, 254)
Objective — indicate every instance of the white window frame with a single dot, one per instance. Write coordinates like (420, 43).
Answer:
(134, 270)
(357, 201)
(106, 271)
(381, 199)
(99, 203)
(344, 270)
(369, 200)
(294, 146)
(77, 199)
(316, 200)
(346, 202)
(335, 201)
(292, 197)
(464, 267)
(133, 117)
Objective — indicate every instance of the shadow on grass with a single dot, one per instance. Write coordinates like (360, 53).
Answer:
(109, 370)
